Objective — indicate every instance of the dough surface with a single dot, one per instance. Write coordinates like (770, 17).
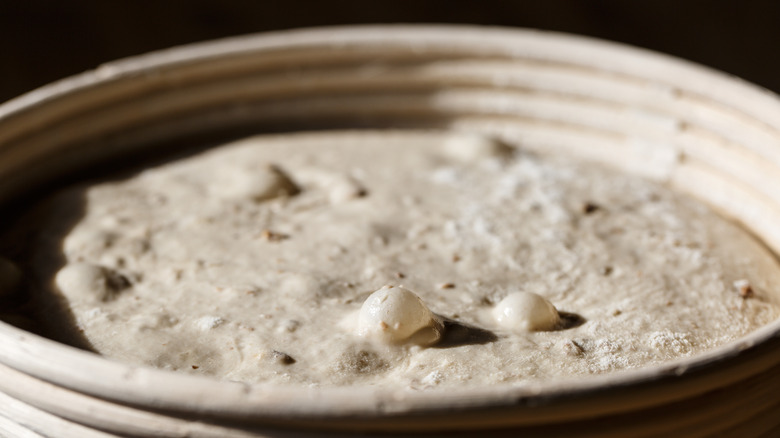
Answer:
(251, 261)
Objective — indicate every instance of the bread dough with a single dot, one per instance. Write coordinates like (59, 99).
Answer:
(251, 262)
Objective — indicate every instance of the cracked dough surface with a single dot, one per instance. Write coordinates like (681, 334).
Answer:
(250, 262)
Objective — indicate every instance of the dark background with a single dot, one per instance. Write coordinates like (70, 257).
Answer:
(41, 41)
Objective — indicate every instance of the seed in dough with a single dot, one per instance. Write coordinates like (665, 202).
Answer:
(525, 312)
(85, 282)
(744, 288)
(283, 358)
(397, 315)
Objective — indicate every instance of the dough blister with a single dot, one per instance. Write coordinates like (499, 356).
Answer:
(396, 315)
(526, 312)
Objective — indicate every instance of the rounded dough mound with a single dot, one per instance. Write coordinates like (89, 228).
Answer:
(526, 311)
(396, 315)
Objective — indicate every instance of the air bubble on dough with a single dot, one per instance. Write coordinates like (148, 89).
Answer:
(526, 311)
(396, 315)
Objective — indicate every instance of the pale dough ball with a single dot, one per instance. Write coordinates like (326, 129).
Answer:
(397, 315)
(526, 311)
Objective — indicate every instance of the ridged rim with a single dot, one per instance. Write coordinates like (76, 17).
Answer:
(667, 119)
